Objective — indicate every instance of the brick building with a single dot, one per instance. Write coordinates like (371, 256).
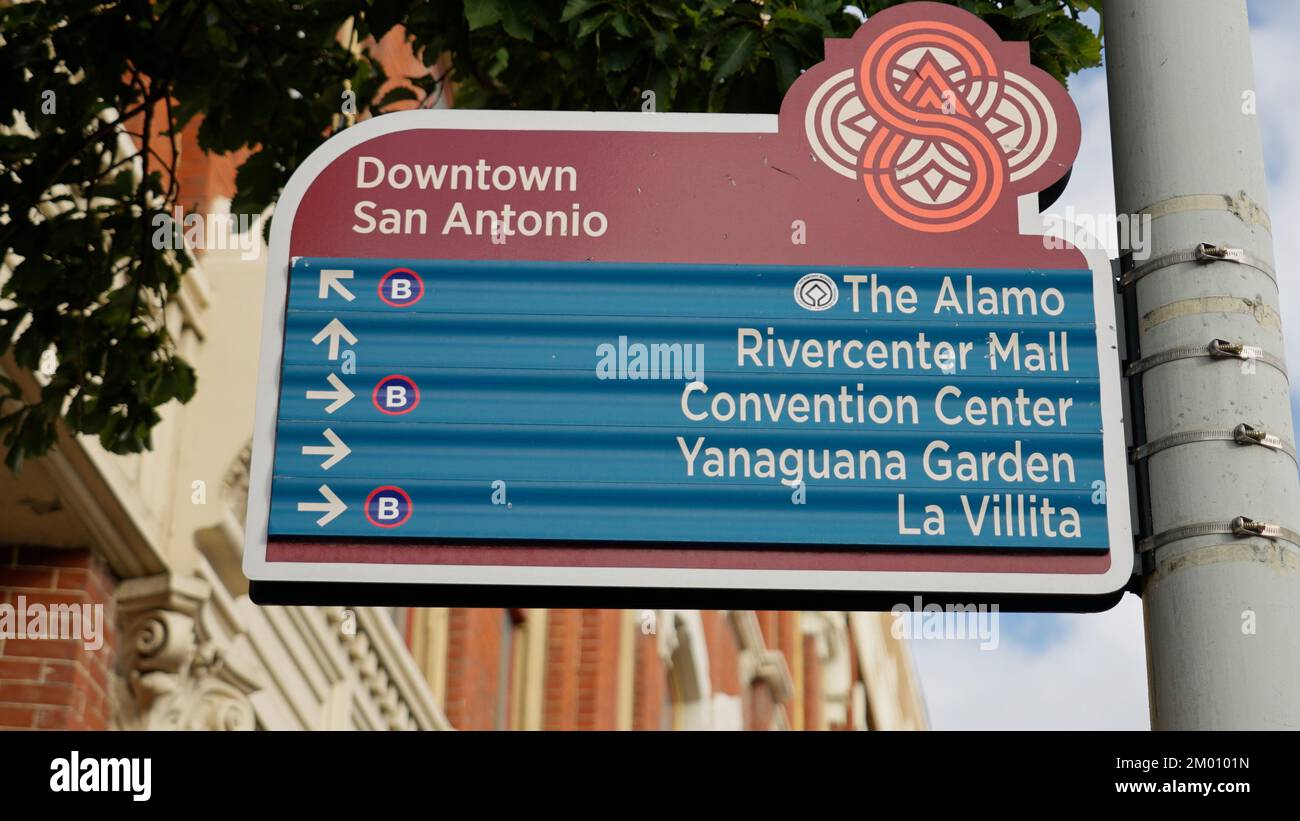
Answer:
(664, 670)
(156, 540)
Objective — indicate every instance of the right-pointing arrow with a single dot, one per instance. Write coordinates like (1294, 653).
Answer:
(331, 507)
(341, 394)
(337, 450)
(329, 280)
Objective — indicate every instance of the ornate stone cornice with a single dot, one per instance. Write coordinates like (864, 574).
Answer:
(386, 669)
(174, 676)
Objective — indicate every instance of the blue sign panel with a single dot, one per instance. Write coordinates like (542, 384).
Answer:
(587, 401)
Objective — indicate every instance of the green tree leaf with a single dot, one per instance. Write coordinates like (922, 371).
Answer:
(735, 50)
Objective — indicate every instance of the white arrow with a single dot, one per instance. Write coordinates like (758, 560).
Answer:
(336, 450)
(329, 278)
(331, 507)
(341, 394)
(334, 331)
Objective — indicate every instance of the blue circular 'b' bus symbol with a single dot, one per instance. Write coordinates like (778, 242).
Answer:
(396, 395)
(401, 288)
(388, 506)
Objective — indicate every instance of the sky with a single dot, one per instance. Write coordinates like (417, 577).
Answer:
(1058, 671)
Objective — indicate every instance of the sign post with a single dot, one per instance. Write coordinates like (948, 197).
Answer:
(1220, 588)
(796, 360)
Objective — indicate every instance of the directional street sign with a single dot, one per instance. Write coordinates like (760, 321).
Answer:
(617, 358)
(587, 389)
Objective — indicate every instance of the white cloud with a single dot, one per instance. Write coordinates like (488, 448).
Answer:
(1274, 32)
(1092, 676)
(1091, 189)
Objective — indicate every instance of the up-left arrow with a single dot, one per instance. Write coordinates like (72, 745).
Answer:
(331, 507)
(329, 281)
(341, 394)
(334, 331)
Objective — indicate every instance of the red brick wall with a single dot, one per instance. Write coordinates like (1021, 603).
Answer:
(598, 670)
(724, 653)
(787, 635)
(812, 686)
(649, 685)
(563, 656)
(767, 625)
(203, 177)
(761, 706)
(473, 667)
(395, 53)
(55, 684)
(581, 671)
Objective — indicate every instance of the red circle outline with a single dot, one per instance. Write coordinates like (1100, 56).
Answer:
(374, 395)
(384, 279)
(410, 506)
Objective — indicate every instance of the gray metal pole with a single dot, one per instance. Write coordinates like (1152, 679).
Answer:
(1222, 606)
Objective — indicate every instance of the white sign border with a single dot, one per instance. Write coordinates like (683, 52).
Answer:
(257, 568)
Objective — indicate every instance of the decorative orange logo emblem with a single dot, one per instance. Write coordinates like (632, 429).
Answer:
(931, 125)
